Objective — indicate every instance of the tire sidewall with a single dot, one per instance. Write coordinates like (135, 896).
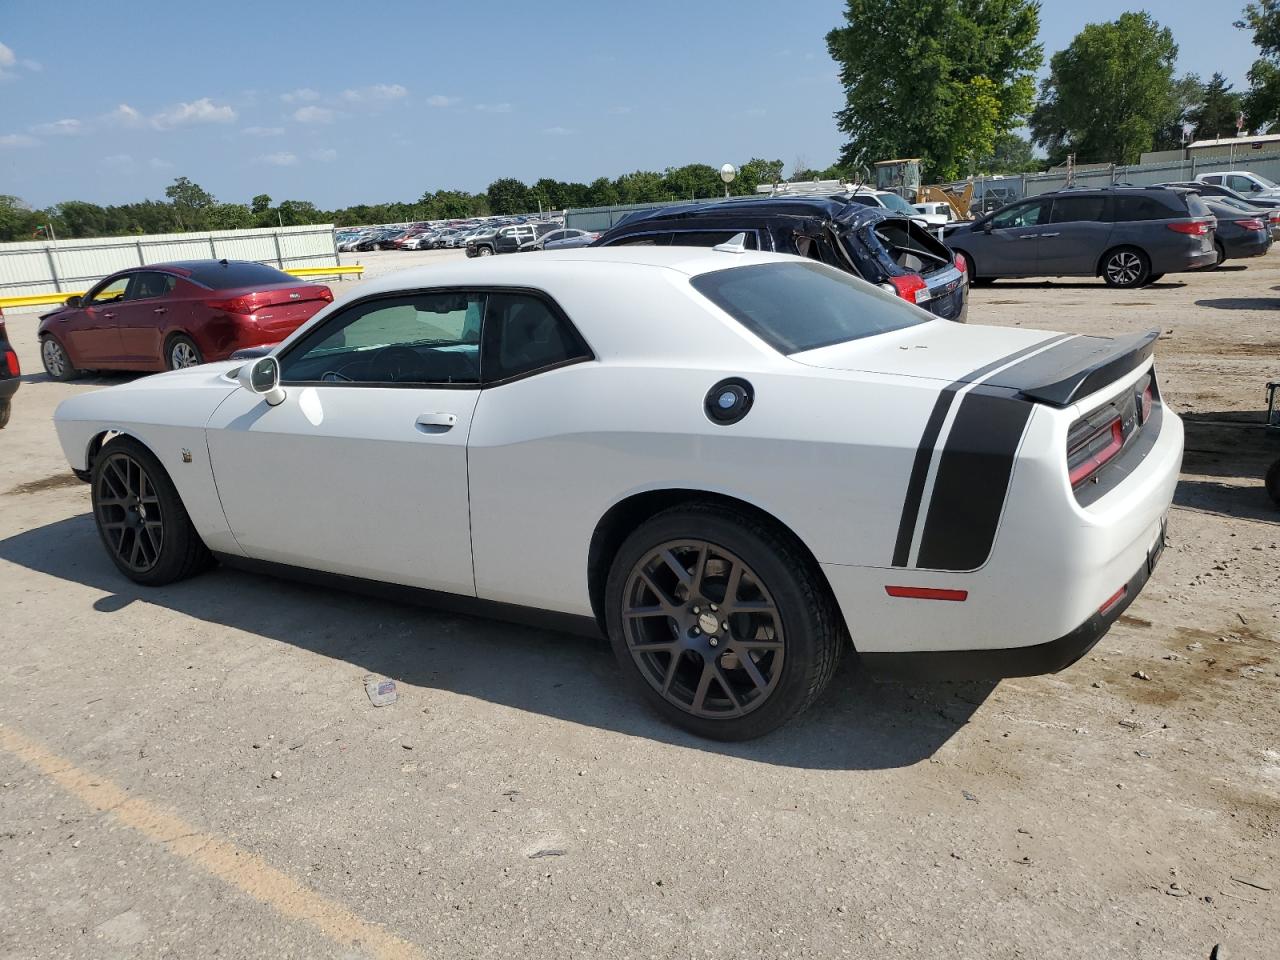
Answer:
(173, 345)
(801, 627)
(177, 524)
(68, 371)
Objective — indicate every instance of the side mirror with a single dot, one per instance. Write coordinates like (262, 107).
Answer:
(262, 376)
(74, 302)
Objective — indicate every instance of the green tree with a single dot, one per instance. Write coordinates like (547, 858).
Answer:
(1188, 96)
(190, 200)
(692, 181)
(260, 204)
(1216, 113)
(1109, 92)
(508, 195)
(76, 218)
(1262, 102)
(17, 220)
(934, 79)
(641, 186)
(752, 174)
(602, 193)
(1011, 154)
(296, 213)
(229, 216)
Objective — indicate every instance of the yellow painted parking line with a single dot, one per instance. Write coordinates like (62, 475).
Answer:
(245, 871)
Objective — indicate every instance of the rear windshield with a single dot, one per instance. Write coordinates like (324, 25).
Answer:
(802, 306)
(237, 274)
(1196, 206)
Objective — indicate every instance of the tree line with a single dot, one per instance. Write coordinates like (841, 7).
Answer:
(188, 206)
(952, 81)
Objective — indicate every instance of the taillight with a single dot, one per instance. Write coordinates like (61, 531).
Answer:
(1088, 454)
(961, 263)
(1144, 405)
(235, 305)
(910, 288)
(1251, 224)
(326, 295)
(11, 362)
(1194, 228)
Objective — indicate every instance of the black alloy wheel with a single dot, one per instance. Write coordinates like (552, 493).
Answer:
(140, 517)
(1126, 268)
(721, 622)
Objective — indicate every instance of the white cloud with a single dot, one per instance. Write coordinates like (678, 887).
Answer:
(313, 115)
(494, 107)
(17, 140)
(324, 154)
(440, 100)
(301, 95)
(282, 159)
(263, 131)
(118, 161)
(7, 59)
(66, 127)
(203, 110)
(155, 163)
(380, 91)
(557, 131)
(124, 116)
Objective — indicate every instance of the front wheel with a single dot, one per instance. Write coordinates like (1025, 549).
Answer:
(1126, 268)
(721, 622)
(56, 362)
(484, 252)
(140, 517)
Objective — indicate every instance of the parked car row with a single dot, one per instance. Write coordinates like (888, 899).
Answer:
(453, 234)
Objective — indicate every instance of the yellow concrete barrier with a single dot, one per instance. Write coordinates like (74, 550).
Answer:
(53, 299)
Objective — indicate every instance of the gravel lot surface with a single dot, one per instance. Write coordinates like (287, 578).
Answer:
(196, 771)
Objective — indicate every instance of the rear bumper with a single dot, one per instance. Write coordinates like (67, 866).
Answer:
(1253, 246)
(1177, 261)
(1041, 658)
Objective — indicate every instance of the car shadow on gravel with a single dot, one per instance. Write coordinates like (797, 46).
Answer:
(1241, 303)
(860, 723)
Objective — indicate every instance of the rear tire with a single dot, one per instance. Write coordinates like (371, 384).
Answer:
(1125, 268)
(140, 517)
(784, 634)
(1221, 251)
(6, 407)
(181, 352)
(970, 268)
(1272, 482)
(56, 362)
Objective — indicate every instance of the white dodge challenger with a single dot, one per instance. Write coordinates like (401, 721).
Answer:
(734, 464)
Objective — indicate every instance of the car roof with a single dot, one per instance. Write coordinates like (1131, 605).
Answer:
(827, 208)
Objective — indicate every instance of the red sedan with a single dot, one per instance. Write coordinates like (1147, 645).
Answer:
(169, 315)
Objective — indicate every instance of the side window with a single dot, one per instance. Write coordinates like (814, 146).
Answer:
(556, 235)
(431, 338)
(110, 292)
(709, 238)
(147, 285)
(1216, 179)
(1078, 209)
(523, 334)
(1143, 208)
(642, 240)
(1023, 215)
(1241, 184)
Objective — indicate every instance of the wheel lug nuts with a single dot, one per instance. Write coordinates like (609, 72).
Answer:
(696, 631)
(713, 608)
(725, 626)
(714, 642)
(697, 609)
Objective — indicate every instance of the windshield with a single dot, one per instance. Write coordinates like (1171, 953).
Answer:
(802, 306)
(895, 202)
(1269, 184)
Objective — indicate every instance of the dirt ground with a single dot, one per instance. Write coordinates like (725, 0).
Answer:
(196, 771)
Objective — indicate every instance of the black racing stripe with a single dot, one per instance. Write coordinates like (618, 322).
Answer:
(924, 452)
(972, 479)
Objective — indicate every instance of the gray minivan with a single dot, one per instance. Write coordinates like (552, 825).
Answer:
(1129, 236)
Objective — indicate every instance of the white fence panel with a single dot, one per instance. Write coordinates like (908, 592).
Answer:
(43, 266)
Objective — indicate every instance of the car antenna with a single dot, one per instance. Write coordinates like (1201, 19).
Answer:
(223, 261)
(735, 244)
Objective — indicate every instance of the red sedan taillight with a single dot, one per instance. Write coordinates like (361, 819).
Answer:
(11, 363)
(1194, 228)
(234, 305)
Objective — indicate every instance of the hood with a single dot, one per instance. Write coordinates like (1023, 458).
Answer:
(937, 350)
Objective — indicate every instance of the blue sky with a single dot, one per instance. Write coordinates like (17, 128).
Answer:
(341, 102)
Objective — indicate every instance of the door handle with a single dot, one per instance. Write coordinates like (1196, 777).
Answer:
(436, 422)
(160, 310)
(1050, 235)
(1029, 236)
(109, 316)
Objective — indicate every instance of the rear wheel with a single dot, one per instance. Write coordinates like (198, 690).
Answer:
(1221, 251)
(181, 353)
(140, 517)
(720, 622)
(1126, 268)
(6, 406)
(56, 362)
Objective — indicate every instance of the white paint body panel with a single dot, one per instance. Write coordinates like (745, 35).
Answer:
(504, 504)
